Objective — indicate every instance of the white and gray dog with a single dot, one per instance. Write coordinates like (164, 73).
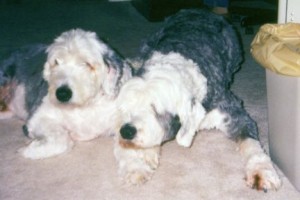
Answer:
(71, 98)
(183, 87)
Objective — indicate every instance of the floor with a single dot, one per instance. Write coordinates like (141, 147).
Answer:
(89, 172)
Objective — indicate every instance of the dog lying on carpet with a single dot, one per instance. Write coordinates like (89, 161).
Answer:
(70, 98)
(183, 87)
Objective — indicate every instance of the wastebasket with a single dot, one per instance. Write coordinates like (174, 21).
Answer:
(277, 48)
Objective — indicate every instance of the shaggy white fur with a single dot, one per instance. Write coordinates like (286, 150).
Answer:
(142, 100)
(80, 101)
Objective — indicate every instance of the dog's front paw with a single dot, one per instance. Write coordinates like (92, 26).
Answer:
(39, 149)
(141, 169)
(137, 166)
(261, 174)
(137, 177)
(33, 150)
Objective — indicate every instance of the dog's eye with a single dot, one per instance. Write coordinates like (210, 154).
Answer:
(57, 62)
(89, 65)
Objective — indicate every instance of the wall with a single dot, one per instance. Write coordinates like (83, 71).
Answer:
(288, 11)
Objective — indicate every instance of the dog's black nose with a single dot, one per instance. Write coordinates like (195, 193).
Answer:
(128, 131)
(63, 94)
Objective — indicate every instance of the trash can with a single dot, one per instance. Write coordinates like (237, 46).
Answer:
(277, 48)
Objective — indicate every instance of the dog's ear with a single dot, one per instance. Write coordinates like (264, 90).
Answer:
(119, 71)
(170, 123)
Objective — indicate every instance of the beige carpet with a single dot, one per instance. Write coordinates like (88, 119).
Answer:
(211, 169)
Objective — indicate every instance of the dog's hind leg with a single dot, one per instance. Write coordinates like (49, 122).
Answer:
(260, 172)
(232, 119)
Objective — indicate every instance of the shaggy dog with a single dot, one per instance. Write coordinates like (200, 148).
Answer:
(181, 88)
(70, 99)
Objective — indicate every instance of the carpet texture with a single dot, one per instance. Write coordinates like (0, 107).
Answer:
(211, 169)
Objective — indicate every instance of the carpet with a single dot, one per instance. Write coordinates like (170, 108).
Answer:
(211, 169)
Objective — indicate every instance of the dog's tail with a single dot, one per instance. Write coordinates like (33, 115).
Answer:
(9, 65)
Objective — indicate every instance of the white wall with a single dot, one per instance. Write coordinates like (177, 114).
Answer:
(289, 11)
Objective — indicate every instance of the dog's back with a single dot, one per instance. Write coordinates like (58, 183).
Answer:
(213, 44)
(206, 38)
(23, 68)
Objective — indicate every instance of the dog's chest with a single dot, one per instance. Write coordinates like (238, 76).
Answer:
(91, 122)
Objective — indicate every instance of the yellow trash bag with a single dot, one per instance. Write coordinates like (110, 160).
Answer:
(277, 47)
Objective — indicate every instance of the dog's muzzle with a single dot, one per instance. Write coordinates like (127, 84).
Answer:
(63, 94)
(128, 131)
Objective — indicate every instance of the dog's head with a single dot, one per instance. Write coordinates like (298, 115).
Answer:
(144, 122)
(80, 66)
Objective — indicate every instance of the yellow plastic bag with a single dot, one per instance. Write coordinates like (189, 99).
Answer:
(277, 47)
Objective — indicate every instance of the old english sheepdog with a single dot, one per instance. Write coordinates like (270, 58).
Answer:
(183, 87)
(71, 98)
